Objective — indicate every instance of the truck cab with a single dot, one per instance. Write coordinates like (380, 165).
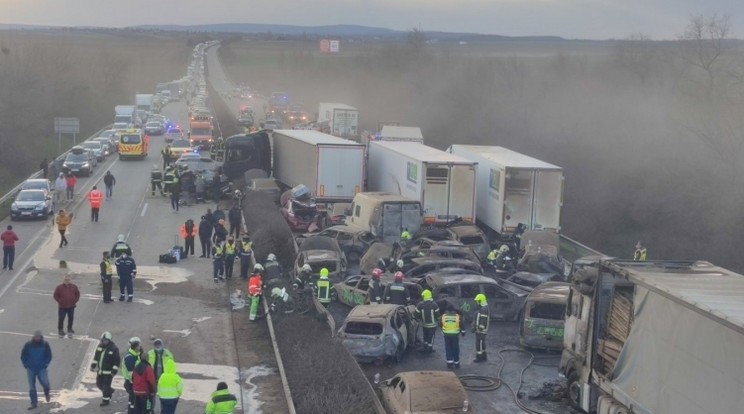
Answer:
(385, 215)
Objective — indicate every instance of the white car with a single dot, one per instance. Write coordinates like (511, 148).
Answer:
(96, 148)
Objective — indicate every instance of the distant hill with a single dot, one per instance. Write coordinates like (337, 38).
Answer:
(338, 30)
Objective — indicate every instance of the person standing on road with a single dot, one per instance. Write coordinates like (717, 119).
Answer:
(128, 364)
(44, 167)
(170, 388)
(107, 273)
(640, 253)
(218, 262)
(220, 232)
(188, 232)
(375, 291)
(105, 364)
(144, 386)
(452, 329)
(255, 287)
(70, 189)
(175, 195)
(110, 181)
(67, 296)
(205, 236)
(156, 179)
(157, 357)
(167, 154)
(126, 268)
(168, 179)
(36, 357)
(120, 247)
(9, 237)
(94, 197)
(246, 251)
(60, 187)
(235, 217)
(230, 251)
(427, 311)
(396, 292)
(324, 288)
(63, 220)
(221, 401)
(480, 327)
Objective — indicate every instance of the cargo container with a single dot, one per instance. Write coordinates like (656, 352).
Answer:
(340, 119)
(385, 215)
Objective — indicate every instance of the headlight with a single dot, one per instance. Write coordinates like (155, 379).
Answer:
(64, 165)
(85, 165)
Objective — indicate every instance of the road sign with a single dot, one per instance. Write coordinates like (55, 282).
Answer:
(66, 126)
(329, 45)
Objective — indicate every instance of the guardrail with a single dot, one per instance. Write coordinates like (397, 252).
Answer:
(10, 194)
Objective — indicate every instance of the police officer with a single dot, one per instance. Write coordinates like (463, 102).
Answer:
(324, 289)
(156, 179)
(427, 311)
(167, 154)
(107, 272)
(218, 262)
(120, 247)
(375, 291)
(126, 268)
(128, 363)
(480, 327)
(255, 287)
(396, 292)
(231, 249)
(245, 253)
(451, 329)
(105, 364)
(640, 253)
(169, 179)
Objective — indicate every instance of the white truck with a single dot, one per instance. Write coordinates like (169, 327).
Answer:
(144, 101)
(444, 183)
(655, 338)
(339, 119)
(385, 215)
(125, 113)
(331, 167)
(514, 188)
(394, 133)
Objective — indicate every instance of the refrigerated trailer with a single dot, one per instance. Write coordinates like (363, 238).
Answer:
(514, 188)
(341, 120)
(444, 183)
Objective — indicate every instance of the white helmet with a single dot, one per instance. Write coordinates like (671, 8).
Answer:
(258, 268)
(106, 335)
(134, 340)
(399, 263)
(123, 255)
(271, 257)
(306, 268)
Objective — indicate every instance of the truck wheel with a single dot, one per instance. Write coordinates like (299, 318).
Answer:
(574, 389)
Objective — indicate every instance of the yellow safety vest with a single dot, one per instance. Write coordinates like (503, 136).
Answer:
(324, 291)
(230, 248)
(109, 269)
(451, 324)
(247, 245)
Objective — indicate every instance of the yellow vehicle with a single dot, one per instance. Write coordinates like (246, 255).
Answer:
(133, 144)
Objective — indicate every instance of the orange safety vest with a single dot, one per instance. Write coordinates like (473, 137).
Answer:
(184, 234)
(95, 198)
(254, 285)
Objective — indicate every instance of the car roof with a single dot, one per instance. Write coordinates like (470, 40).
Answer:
(456, 279)
(434, 259)
(436, 383)
(551, 291)
(33, 190)
(35, 180)
(372, 311)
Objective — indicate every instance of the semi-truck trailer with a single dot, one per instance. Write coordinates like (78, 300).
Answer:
(339, 119)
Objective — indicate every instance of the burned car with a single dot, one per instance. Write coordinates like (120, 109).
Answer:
(447, 249)
(376, 333)
(543, 317)
(354, 241)
(467, 234)
(322, 252)
(299, 209)
(530, 281)
(385, 256)
(424, 392)
(421, 266)
(353, 290)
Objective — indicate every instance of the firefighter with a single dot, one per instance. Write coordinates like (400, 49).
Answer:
(405, 237)
(427, 311)
(255, 287)
(272, 269)
(304, 277)
(218, 262)
(396, 292)
(156, 179)
(126, 268)
(120, 247)
(375, 291)
(167, 154)
(324, 288)
(480, 327)
(499, 258)
(169, 179)
(230, 251)
(221, 401)
(245, 252)
(107, 273)
(105, 364)
(451, 329)
(640, 253)
(128, 363)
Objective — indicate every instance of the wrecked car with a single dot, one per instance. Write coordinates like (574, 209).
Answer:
(543, 316)
(353, 290)
(447, 249)
(300, 212)
(321, 252)
(375, 333)
(424, 392)
(354, 241)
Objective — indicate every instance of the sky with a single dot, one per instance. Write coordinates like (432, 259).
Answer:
(582, 19)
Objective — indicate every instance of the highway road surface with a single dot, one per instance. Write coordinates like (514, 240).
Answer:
(179, 303)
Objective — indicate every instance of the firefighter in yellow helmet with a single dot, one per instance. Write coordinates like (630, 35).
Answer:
(324, 288)
(427, 311)
(480, 327)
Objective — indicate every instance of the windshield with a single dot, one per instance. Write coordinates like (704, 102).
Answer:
(363, 328)
(107, 134)
(34, 184)
(77, 157)
(201, 131)
(181, 143)
(30, 196)
(153, 124)
(130, 139)
(92, 145)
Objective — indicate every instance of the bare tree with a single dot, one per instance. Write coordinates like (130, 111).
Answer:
(637, 53)
(705, 41)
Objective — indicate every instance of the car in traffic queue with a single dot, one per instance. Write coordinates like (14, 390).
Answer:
(105, 145)
(321, 252)
(97, 149)
(38, 184)
(133, 144)
(354, 241)
(543, 318)
(447, 249)
(181, 146)
(154, 128)
(271, 124)
(353, 290)
(424, 392)
(79, 161)
(376, 333)
(174, 133)
(32, 204)
(419, 267)
(505, 301)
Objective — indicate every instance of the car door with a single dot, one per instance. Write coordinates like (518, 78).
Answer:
(347, 291)
(467, 299)
(398, 322)
(501, 302)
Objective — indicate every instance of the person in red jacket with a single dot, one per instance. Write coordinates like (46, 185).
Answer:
(9, 237)
(144, 386)
(95, 197)
(67, 296)
(71, 181)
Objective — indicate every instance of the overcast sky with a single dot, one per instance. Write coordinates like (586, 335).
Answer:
(588, 19)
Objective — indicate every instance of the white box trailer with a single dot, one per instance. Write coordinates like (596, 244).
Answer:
(514, 188)
(331, 167)
(342, 119)
(394, 133)
(444, 183)
(144, 101)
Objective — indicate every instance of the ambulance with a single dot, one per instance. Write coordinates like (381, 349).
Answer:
(133, 144)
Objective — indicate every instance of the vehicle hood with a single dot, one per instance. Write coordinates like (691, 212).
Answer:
(26, 204)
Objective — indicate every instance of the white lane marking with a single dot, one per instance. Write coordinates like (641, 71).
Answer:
(186, 332)
(144, 210)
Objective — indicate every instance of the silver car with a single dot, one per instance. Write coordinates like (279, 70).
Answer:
(31, 204)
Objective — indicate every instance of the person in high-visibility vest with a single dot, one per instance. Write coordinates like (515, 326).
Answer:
(324, 288)
(405, 237)
(95, 197)
(107, 272)
(480, 327)
(230, 251)
(218, 262)
(255, 287)
(105, 364)
(452, 329)
(245, 253)
(128, 363)
(170, 388)
(221, 401)
(168, 179)
(640, 253)
(427, 311)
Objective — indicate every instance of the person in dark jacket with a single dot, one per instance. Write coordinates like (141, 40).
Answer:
(106, 365)
(427, 311)
(126, 268)
(121, 246)
(220, 232)
(396, 292)
(175, 195)
(375, 291)
(144, 386)
(36, 356)
(110, 181)
(67, 296)
(107, 273)
(235, 217)
(205, 236)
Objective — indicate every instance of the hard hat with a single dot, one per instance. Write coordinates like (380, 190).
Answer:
(271, 257)
(426, 294)
(134, 340)
(398, 275)
(120, 238)
(480, 298)
(504, 248)
(106, 335)
(377, 272)
(306, 268)
(324, 272)
(399, 263)
(258, 268)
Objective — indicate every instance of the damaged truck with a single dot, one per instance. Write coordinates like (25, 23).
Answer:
(655, 338)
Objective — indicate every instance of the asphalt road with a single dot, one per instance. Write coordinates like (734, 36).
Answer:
(178, 303)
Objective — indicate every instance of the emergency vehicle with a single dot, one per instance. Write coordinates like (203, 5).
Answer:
(133, 144)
